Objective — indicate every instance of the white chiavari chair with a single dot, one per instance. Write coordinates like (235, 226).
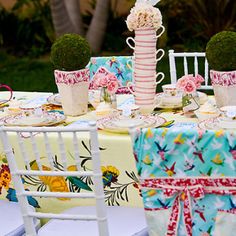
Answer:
(97, 219)
(190, 64)
(11, 220)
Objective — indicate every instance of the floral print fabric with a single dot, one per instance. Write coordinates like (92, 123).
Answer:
(192, 172)
(120, 66)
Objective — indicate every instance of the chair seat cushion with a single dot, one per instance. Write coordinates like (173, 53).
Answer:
(122, 221)
(11, 219)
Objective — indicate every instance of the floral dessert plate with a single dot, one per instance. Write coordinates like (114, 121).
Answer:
(117, 125)
(175, 101)
(54, 99)
(217, 123)
(48, 119)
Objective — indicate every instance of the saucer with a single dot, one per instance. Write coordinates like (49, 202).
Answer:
(116, 125)
(217, 123)
(126, 123)
(48, 119)
(170, 102)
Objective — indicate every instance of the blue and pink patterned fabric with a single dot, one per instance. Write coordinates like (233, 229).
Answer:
(120, 66)
(188, 180)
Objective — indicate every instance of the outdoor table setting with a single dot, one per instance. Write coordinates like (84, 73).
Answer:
(44, 109)
(118, 93)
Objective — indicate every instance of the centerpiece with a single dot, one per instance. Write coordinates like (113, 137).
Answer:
(188, 85)
(108, 84)
(70, 54)
(221, 56)
(145, 20)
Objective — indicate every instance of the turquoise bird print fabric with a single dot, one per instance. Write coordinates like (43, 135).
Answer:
(120, 66)
(188, 180)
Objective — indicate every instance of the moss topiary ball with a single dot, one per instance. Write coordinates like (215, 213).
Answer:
(221, 51)
(70, 52)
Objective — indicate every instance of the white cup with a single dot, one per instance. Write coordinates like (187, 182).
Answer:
(149, 57)
(170, 90)
(144, 34)
(140, 46)
(129, 111)
(229, 112)
(148, 78)
(32, 110)
(147, 71)
(142, 90)
(147, 32)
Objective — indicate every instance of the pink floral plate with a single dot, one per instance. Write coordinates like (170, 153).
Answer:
(20, 119)
(217, 123)
(117, 125)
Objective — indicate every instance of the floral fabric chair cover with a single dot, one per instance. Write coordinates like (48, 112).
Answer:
(188, 181)
(120, 66)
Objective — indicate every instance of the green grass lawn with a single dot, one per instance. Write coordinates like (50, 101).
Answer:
(24, 74)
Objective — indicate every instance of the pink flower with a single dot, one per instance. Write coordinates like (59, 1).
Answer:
(189, 83)
(181, 83)
(112, 86)
(103, 81)
(198, 80)
(190, 87)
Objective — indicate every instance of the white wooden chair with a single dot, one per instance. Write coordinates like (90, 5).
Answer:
(190, 65)
(82, 220)
(11, 220)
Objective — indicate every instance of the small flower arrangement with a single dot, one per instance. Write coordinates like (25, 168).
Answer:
(144, 15)
(105, 79)
(189, 83)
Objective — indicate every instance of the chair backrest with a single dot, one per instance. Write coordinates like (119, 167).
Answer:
(183, 63)
(121, 66)
(40, 145)
(187, 174)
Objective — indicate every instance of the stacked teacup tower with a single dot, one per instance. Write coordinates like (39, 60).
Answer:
(146, 21)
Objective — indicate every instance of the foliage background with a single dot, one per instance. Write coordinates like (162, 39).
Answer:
(26, 36)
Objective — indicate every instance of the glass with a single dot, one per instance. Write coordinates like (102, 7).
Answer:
(190, 102)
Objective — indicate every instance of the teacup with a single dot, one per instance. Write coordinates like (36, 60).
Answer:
(229, 112)
(129, 111)
(33, 110)
(143, 88)
(147, 32)
(10, 93)
(147, 57)
(149, 78)
(170, 90)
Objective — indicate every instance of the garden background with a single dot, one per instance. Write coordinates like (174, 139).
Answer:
(29, 27)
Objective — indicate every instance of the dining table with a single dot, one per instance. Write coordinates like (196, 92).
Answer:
(118, 164)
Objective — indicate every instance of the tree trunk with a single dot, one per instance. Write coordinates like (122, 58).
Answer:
(67, 18)
(73, 8)
(97, 28)
(60, 16)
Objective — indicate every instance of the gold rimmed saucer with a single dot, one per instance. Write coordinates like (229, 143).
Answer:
(117, 125)
(48, 119)
(175, 101)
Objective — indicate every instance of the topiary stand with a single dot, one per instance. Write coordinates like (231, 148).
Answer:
(70, 53)
(221, 56)
(73, 88)
(224, 85)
